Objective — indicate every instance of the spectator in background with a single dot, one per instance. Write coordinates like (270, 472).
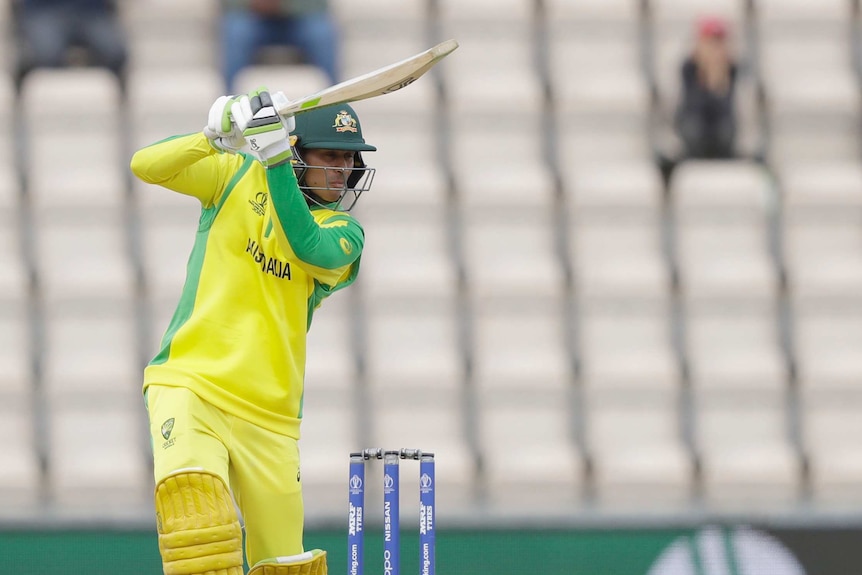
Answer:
(249, 25)
(48, 29)
(705, 118)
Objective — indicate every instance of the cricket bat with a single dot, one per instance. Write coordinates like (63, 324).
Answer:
(375, 83)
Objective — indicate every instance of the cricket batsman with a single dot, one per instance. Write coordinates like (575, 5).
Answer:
(224, 392)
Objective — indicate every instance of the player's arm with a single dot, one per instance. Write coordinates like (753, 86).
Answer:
(185, 164)
(331, 245)
(193, 164)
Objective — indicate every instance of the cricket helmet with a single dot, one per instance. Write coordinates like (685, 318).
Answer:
(334, 127)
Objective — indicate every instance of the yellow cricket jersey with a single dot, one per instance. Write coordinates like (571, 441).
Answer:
(261, 263)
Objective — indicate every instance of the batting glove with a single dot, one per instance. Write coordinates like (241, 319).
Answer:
(264, 130)
(221, 131)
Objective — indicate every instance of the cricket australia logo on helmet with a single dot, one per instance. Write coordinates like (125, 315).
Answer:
(344, 122)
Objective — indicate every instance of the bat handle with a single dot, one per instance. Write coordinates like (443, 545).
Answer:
(280, 102)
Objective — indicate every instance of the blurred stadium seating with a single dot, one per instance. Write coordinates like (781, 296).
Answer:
(537, 305)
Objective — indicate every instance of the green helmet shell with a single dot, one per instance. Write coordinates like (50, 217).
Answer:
(333, 127)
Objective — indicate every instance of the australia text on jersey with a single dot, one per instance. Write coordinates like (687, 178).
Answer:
(268, 265)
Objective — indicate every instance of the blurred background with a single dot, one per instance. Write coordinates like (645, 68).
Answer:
(629, 357)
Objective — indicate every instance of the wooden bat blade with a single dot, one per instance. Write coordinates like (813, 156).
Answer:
(375, 83)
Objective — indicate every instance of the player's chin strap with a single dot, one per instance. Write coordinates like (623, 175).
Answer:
(309, 563)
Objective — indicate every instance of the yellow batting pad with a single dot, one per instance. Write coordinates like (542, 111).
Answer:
(199, 531)
(309, 563)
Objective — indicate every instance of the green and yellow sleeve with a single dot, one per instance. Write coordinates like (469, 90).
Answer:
(188, 165)
(326, 249)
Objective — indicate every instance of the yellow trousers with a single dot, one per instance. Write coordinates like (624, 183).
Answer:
(260, 467)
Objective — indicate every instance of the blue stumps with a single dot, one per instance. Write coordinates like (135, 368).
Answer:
(356, 514)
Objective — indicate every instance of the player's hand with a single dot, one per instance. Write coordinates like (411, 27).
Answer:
(220, 130)
(264, 130)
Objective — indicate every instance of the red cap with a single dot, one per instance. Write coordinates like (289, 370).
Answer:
(712, 26)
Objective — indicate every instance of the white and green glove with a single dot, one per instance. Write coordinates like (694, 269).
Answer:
(266, 133)
(220, 130)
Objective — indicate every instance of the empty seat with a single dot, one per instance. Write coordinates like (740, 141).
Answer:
(615, 258)
(627, 346)
(91, 349)
(635, 441)
(535, 466)
(684, 12)
(563, 14)
(154, 48)
(631, 187)
(831, 432)
(810, 81)
(521, 345)
(165, 102)
(20, 473)
(408, 256)
(592, 138)
(81, 139)
(743, 440)
(599, 95)
(484, 178)
(484, 18)
(330, 356)
(823, 260)
(795, 12)
(597, 71)
(826, 344)
(511, 256)
(164, 12)
(723, 227)
(510, 78)
(820, 229)
(10, 186)
(163, 34)
(736, 348)
(115, 473)
(414, 345)
(725, 261)
(814, 191)
(18, 354)
(14, 272)
(83, 255)
(375, 18)
(705, 188)
(10, 189)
